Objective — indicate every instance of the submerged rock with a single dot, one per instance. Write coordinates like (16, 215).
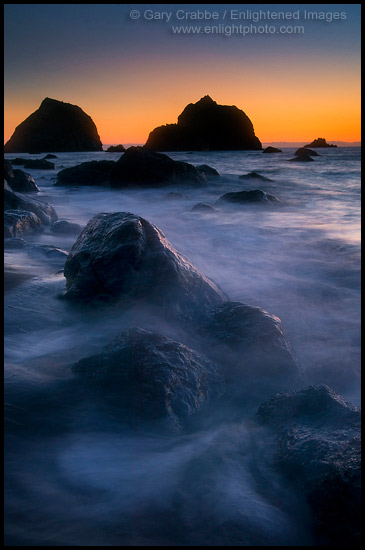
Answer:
(55, 126)
(152, 376)
(203, 207)
(95, 172)
(39, 164)
(116, 149)
(50, 251)
(14, 243)
(318, 448)
(208, 171)
(319, 142)
(206, 126)
(42, 210)
(121, 256)
(65, 227)
(305, 151)
(254, 195)
(254, 175)
(253, 340)
(145, 168)
(271, 149)
(20, 222)
(302, 157)
(50, 156)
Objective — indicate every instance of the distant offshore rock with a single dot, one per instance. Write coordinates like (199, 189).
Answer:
(272, 150)
(320, 142)
(206, 126)
(55, 127)
(116, 149)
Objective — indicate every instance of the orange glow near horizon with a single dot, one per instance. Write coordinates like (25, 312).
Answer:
(297, 102)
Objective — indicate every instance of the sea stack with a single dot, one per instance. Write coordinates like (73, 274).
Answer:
(319, 142)
(206, 126)
(55, 127)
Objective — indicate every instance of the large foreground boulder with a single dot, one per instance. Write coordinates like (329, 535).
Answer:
(141, 167)
(121, 256)
(45, 212)
(206, 126)
(318, 448)
(55, 126)
(252, 340)
(151, 376)
(18, 180)
(95, 172)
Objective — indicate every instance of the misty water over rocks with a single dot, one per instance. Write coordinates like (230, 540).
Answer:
(76, 474)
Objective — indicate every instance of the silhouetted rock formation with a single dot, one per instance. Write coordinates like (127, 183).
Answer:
(254, 344)
(141, 167)
(152, 377)
(50, 156)
(318, 448)
(123, 257)
(116, 149)
(206, 126)
(208, 171)
(254, 175)
(55, 126)
(272, 150)
(305, 151)
(95, 172)
(254, 195)
(319, 142)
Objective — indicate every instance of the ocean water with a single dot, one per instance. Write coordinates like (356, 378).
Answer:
(75, 477)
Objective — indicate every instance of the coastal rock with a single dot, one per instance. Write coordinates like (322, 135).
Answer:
(14, 243)
(206, 126)
(23, 182)
(254, 195)
(305, 151)
(141, 167)
(42, 210)
(116, 149)
(203, 207)
(50, 156)
(319, 142)
(251, 339)
(254, 175)
(39, 164)
(302, 157)
(49, 251)
(55, 126)
(123, 257)
(8, 170)
(95, 172)
(66, 228)
(152, 376)
(20, 222)
(272, 150)
(208, 171)
(318, 449)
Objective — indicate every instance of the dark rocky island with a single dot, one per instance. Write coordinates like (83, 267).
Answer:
(55, 126)
(272, 150)
(319, 142)
(206, 126)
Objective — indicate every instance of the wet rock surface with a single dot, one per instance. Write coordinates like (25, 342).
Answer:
(318, 449)
(152, 376)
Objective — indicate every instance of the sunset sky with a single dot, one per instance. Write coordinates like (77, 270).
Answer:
(133, 75)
